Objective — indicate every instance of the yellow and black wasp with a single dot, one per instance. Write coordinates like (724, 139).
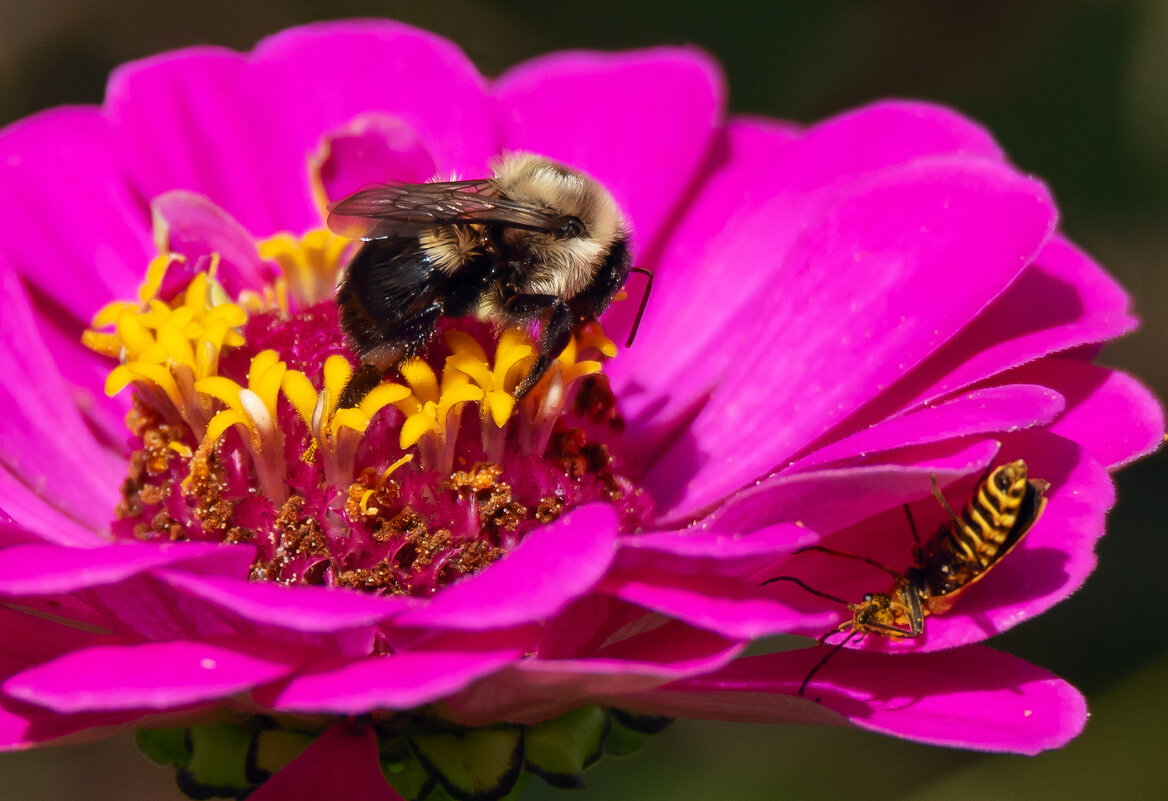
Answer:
(1001, 511)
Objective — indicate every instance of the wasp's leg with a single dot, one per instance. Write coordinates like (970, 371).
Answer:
(811, 590)
(835, 650)
(555, 333)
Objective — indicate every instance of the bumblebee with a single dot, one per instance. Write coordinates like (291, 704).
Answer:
(537, 242)
(1003, 508)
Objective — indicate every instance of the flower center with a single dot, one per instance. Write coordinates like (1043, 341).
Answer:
(235, 435)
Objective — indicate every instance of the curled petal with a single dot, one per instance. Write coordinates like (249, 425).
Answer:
(974, 698)
(110, 677)
(48, 569)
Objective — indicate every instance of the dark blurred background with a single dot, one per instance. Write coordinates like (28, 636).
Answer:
(1076, 91)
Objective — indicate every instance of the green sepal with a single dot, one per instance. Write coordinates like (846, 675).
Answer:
(436, 793)
(272, 750)
(623, 741)
(641, 722)
(474, 765)
(218, 763)
(630, 730)
(166, 747)
(559, 749)
(406, 775)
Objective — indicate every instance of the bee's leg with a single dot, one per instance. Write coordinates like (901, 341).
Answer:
(554, 335)
(360, 384)
(410, 339)
(374, 365)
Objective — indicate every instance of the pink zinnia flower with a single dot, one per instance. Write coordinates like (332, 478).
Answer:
(841, 314)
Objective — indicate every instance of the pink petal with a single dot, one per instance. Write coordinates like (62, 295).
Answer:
(766, 184)
(972, 698)
(86, 372)
(371, 148)
(12, 533)
(341, 764)
(317, 78)
(693, 551)
(45, 442)
(27, 638)
(551, 566)
(301, 608)
(536, 689)
(1079, 304)
(48, 569)
(638, 122)
(240, 129)
(24, 726)
(398, 681)
(194, 227)
(649, 648)
(763, 190)
(41, 520)
(159, 675)
(829, 500)
(728, 607)
(893, 251)
(189, 120)
(711, 579)
(983, 411)
(1115, 417)
(143, 607)
(69, 221)
(587, 624)
(683, 292)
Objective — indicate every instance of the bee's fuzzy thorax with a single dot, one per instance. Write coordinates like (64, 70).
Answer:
(568, 265)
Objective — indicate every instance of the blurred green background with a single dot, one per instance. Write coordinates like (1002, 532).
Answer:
(1077, 92)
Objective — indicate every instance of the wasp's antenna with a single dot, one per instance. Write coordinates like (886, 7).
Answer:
(811, 590)
(913, 528)
(644, 301)
(944, 503)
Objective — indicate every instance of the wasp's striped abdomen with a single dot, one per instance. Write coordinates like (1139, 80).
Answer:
(1002, 509)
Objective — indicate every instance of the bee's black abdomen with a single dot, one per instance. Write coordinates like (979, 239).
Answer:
(391, 297)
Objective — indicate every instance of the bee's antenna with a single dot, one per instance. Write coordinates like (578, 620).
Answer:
(644, 301)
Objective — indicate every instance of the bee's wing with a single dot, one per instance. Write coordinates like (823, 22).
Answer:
(389, 210)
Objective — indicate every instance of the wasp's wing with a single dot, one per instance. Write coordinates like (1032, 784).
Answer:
(388, 210)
